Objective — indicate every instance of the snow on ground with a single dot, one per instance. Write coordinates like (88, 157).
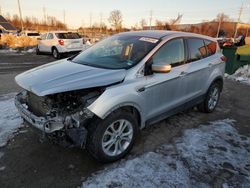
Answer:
(10, 120)
(241, 75)
(210, 155)
(17, 52)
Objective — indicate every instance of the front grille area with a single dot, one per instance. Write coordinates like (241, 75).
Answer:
(37, 104)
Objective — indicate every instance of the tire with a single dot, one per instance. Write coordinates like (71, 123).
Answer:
(107, 146)
(211, 99)
(55, 53)
(37, 51)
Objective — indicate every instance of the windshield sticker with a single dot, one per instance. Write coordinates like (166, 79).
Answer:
(148, 40)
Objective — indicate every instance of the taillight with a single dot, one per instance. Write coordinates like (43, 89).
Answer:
(223, 58)
(61, 42)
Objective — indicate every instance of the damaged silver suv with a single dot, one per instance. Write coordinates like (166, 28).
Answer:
(100, 98)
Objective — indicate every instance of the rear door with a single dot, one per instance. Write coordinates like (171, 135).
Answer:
(41, 42)
(49, 42)
(196, 71)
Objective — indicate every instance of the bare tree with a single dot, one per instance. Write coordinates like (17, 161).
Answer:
(115, 19)
(175, 21)
(222, 18)
(143, 23)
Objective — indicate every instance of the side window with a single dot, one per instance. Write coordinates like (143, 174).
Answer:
(50, 36)
(43, 37)
(170, 53)
(197, 49)
(211, 47)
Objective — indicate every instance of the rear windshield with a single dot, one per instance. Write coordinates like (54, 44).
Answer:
(33, 34)
(68, 35)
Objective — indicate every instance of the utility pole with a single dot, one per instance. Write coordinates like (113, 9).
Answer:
(44, 14)
(101, 22)
(240, 13)
(150, 19)
(20, 13)
(218, 31)
(90, 20)
(64, 15)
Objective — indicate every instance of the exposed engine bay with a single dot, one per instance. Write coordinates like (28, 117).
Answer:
(60, 116)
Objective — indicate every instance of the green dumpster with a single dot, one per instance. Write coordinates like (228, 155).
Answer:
(230, 52)
(236, 57)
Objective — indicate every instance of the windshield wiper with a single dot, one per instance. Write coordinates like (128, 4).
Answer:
(72, 57)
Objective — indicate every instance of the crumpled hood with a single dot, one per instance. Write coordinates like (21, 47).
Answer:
(63, 75)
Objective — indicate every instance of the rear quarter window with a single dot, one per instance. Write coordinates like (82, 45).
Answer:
(197, 49)
(211, 47)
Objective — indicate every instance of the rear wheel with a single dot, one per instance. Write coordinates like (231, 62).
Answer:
(55, 53)
(211, 99)
(113, 137)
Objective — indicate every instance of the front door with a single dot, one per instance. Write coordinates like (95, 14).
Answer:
(164, 91)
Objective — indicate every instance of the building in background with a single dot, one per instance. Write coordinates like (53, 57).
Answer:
(6, 27)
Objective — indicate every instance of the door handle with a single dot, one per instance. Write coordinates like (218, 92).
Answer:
(141, 89)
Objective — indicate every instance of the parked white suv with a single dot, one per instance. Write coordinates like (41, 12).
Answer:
(100, 98)
(59, 42)
(31, 34)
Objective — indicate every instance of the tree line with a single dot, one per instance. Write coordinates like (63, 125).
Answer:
(211, 28)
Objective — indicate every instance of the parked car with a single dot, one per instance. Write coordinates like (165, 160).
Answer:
(60, 42)
(223, 42)
(31, 34)
(102, 97)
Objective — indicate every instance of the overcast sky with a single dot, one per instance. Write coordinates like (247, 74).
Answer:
(78, 11)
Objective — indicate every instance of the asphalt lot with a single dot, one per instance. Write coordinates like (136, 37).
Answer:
(30, 163)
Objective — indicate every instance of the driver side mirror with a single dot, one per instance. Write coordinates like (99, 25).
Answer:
(161, 68)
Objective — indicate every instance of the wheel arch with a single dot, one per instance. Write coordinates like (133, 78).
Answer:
(130, 107)
(219, 80)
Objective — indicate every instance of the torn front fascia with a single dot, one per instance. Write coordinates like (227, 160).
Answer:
(53, 125)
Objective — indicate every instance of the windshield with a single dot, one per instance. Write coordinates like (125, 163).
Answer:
(68, 35)
(117, 52)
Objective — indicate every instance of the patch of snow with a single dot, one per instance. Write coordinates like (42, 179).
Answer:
(241, 75)
(10, 120)
(16, 51)
(2, 168)
(210, 155)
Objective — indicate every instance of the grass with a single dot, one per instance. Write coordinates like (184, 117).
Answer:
(13, 41)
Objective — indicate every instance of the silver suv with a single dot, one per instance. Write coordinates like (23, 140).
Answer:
(101, 98)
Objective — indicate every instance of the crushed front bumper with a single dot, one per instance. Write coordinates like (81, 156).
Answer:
(47, 125)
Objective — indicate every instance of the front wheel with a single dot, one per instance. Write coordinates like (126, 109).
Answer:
(113, 137)
(211, 100)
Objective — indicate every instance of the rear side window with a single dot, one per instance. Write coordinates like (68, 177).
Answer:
(197, 49)
(211, 47)
(68, 35)
(43, 37)
(170, 53)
